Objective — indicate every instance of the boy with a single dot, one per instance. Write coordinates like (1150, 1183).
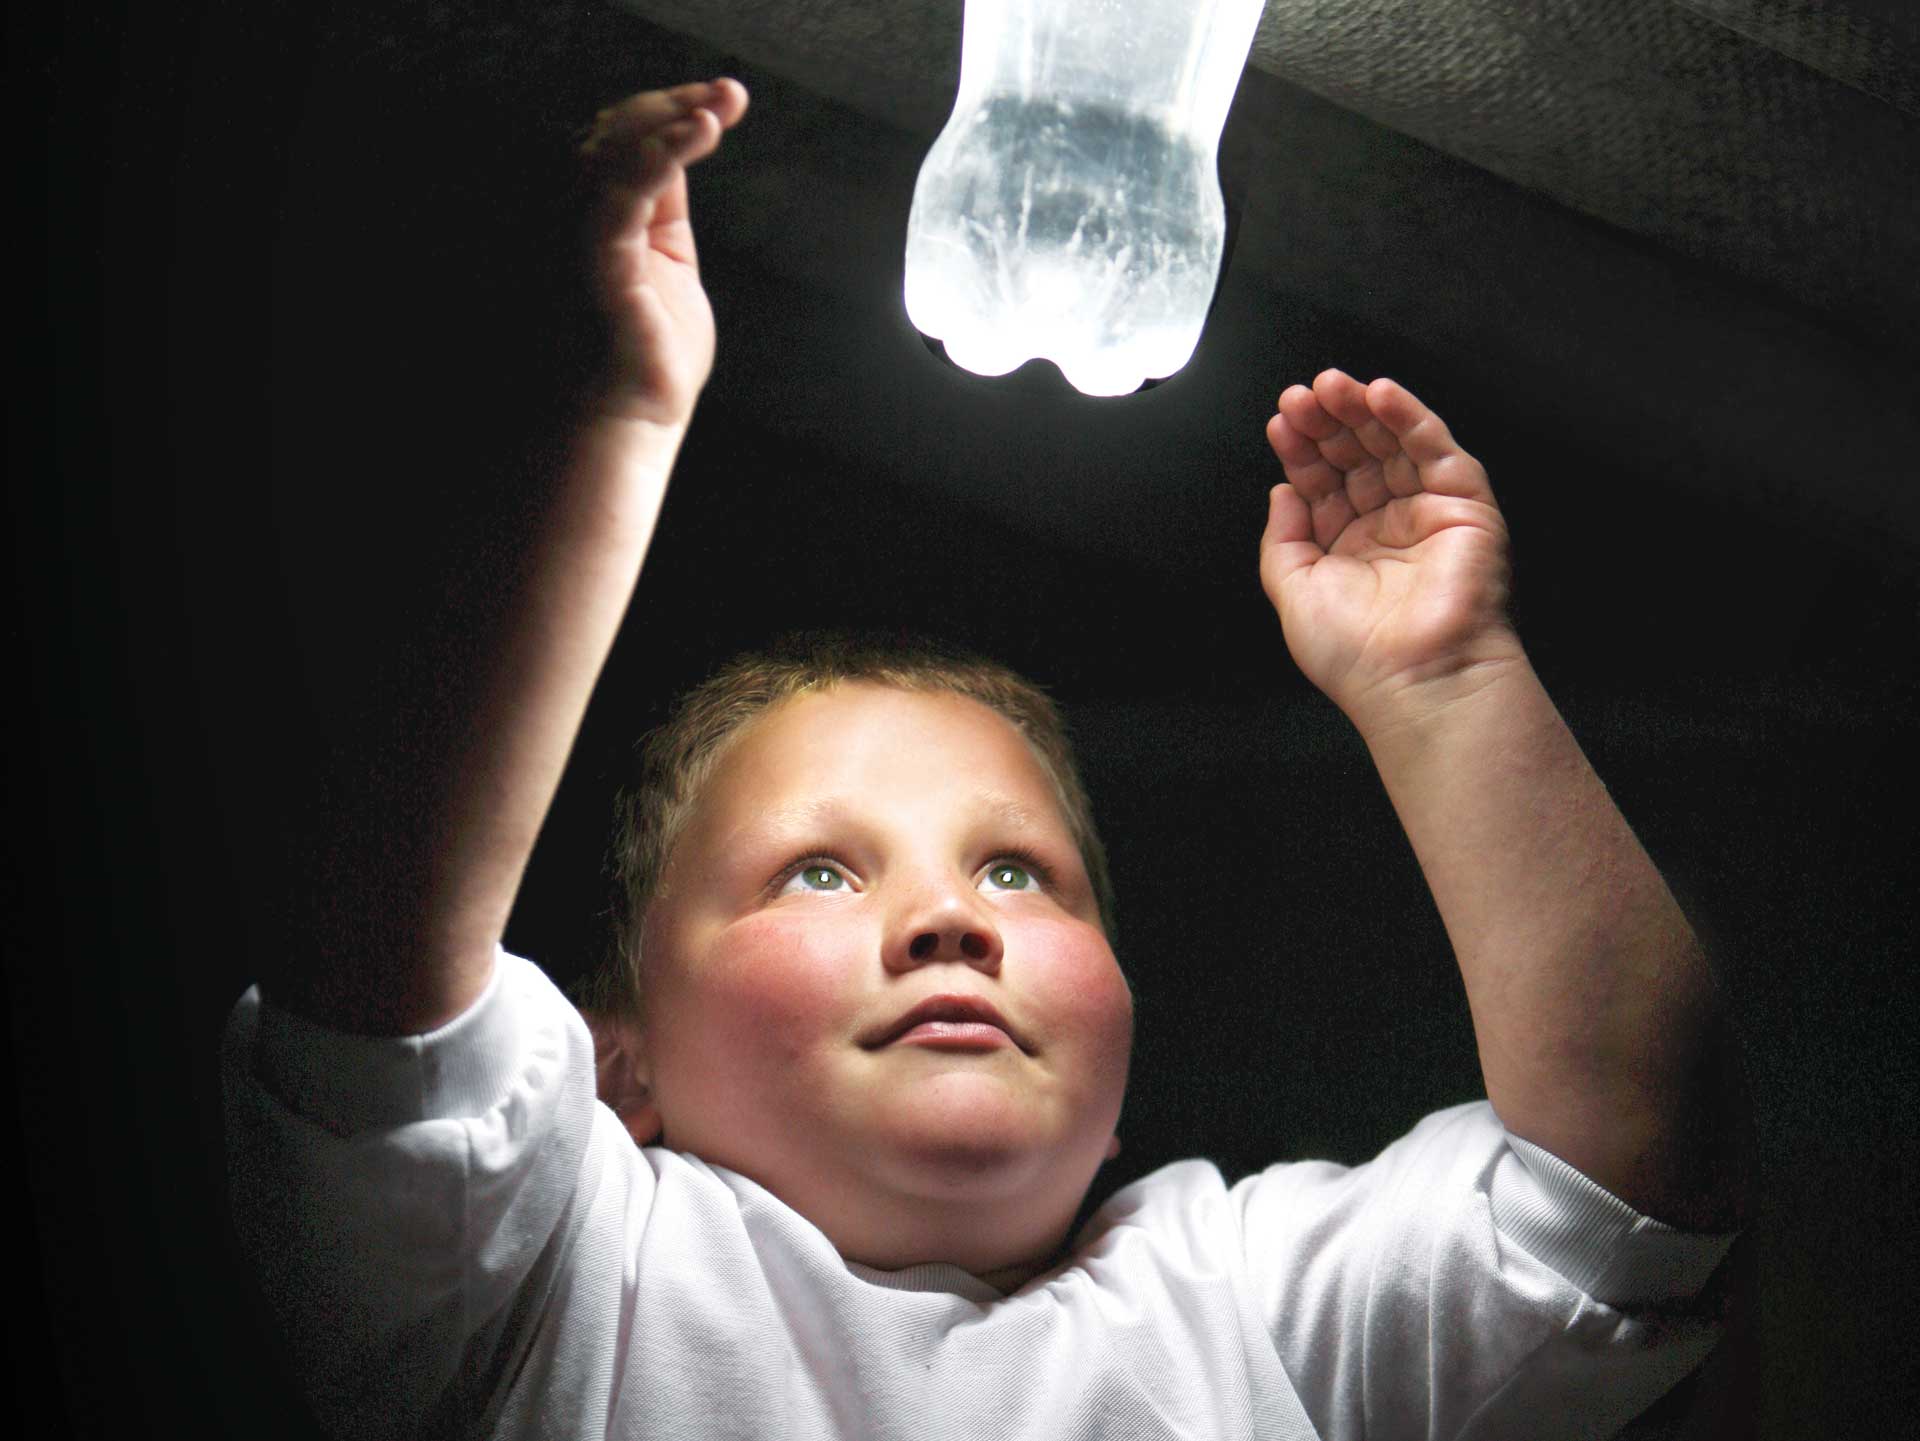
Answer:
(869, 1033)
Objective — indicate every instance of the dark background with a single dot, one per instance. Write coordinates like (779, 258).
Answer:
(296, 369)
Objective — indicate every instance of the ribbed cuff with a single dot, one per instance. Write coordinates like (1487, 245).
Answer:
(1596, 1240)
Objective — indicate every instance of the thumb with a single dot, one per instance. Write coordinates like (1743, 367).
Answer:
(1287, 546)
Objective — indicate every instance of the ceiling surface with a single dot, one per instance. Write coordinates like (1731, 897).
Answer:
(1746, 160)
(1773, 140)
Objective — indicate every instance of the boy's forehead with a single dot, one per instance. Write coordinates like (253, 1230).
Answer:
(819, 756)
(859, 720)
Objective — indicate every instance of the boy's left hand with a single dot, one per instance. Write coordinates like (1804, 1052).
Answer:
(1384, 553)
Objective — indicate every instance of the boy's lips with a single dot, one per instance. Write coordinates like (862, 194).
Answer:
(965, 1018)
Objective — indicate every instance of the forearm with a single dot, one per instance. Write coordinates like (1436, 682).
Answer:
(454, 867)
(1600, 1032)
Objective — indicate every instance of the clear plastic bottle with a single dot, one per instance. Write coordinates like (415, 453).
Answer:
(1071, 206)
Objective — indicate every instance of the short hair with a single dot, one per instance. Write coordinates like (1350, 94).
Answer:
(679, 757)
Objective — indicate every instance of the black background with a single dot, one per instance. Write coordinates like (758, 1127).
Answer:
(296, 367)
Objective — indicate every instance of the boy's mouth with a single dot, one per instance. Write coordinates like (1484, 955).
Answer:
(951, 1022)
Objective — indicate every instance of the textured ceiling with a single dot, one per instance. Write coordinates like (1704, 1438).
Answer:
(1684, 233)
(1777, 140)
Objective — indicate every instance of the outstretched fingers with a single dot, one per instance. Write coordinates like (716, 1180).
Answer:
(1327, 412)
(1318, 484)
(1350, 448)
(1325, 460)
(637, 151)
(1436, 461)
(1297, 432)
(635, 134)
(1367, 450)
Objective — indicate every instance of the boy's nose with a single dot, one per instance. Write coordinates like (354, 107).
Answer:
(944, 927)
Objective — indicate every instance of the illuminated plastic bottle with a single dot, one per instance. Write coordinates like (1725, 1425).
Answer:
(1071, 207)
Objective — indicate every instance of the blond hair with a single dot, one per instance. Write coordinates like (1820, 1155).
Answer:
(677, 758)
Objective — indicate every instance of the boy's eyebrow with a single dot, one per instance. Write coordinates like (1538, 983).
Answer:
(1018, 813)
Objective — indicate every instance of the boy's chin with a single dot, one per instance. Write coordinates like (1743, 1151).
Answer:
(956, 1145)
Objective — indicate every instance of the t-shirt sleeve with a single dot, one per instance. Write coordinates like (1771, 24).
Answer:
(1466, 1283)
(408, 1202)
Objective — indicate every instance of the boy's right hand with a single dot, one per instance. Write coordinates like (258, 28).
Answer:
(648, 275)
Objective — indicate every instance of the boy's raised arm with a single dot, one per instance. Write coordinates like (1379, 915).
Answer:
(451, 873)
(1600, 1031)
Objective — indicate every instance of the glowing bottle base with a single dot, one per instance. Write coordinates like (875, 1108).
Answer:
(1081, 235)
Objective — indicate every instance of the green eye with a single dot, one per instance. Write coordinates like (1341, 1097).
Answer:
(1009, 877)
(820, 878)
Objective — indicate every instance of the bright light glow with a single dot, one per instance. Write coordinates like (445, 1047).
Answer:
(1071, 207)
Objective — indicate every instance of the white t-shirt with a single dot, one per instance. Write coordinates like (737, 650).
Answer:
(461, 1240)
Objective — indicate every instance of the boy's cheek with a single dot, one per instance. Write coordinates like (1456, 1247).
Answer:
(771, 982)
(1083, 988)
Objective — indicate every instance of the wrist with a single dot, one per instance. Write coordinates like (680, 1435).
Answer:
(637, 434)
(1440, 697)
(1475, 682)
(617, 476)
(622, 409)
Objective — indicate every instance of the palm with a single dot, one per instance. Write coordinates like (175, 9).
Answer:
(1384, 555)
(648, 268)
(663, 322)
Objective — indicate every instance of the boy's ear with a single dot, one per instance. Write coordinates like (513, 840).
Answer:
(619, 1074)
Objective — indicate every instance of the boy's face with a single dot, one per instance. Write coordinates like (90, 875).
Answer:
(859, 852)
